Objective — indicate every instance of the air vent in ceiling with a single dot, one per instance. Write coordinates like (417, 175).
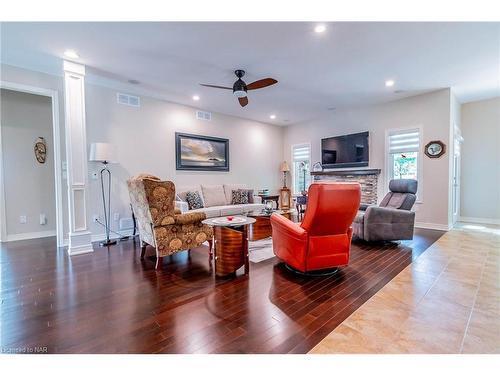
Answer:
(126, 99)
(202, 115)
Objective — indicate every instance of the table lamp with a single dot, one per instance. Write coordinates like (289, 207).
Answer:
(103, 153)
(284, 192)
(284, 168)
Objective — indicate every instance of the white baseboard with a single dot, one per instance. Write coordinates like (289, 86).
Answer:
(433, 226)
(30, 236)
(102, 236)
(479, 220)
(78, 250)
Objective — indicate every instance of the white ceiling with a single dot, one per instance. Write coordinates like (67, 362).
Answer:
(345, 66)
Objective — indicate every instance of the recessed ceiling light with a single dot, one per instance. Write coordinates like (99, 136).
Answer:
(320, 29)
(196, 98)
(389, 83)
(71, 54)
(272, 117)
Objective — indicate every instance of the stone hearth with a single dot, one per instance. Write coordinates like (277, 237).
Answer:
(367, 178)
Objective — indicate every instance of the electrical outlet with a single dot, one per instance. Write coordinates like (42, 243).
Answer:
(95, 218)
(43, 219)
(116, 216)
(23, 219)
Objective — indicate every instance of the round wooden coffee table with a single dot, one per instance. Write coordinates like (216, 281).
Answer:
(231, 243)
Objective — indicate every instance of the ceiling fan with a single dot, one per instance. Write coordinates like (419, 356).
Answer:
(240, 88)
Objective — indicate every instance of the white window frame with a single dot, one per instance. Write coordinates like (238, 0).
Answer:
(388, 166)
(307, 144)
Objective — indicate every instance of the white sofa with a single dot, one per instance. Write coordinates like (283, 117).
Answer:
(216, 200)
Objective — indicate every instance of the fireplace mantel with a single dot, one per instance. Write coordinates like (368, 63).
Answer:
(347, 172)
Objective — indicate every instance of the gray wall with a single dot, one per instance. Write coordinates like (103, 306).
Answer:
(480, 182)
(29, 186)
(430, 111)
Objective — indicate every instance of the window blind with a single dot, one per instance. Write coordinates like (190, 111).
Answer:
(300, 152)
(404, 141)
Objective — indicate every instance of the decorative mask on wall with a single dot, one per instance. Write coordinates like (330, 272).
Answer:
(40, 150)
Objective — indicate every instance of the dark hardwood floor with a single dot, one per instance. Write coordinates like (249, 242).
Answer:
(112, 302)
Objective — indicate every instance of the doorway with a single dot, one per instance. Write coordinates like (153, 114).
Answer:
(30, 180)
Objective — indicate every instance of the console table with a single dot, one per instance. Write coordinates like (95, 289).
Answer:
(274, 198)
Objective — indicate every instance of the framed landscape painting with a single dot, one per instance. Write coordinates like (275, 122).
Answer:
(201, 153)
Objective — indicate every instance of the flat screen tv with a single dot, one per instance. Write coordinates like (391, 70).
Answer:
(345, 151)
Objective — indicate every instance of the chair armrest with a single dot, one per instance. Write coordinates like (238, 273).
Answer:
(190, 218)
(364, 206)
(288, 227)
(182, 206)
(375, 214)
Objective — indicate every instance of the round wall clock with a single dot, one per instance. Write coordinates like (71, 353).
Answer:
(435, 149)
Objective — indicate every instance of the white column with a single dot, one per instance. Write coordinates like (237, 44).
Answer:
(76, 156)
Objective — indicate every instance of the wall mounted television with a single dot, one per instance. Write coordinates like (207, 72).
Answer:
(345, 151)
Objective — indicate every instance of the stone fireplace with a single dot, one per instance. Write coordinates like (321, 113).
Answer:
(367, 178)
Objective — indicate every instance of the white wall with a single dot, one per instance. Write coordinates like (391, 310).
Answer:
(430, 111)
(29, 186)
(480, 182)
(145, 143)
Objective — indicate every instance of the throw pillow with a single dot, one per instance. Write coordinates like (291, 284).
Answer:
(239, 196)
(250, 195)
(193, 200)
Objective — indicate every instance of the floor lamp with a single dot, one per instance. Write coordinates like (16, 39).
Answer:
(103, 153)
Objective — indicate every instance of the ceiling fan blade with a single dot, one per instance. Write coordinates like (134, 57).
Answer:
(243, 101)
(217, 87)
(261, 83)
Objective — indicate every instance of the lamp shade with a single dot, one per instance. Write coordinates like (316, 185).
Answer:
(284, 167)
(102, 152)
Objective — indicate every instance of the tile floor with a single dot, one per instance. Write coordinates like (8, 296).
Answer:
(447, 301)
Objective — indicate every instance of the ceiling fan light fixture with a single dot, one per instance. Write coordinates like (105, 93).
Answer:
(240, 93)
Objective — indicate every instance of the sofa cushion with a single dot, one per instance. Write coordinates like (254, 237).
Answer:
(213, 195)
(236, 209)
(251, 207)
(193, 199)
(240, 196)
(209, 211)
(228, 189)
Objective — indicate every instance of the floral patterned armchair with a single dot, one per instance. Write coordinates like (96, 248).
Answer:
(160, 224)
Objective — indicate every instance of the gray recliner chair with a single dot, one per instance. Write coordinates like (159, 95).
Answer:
(393, 219)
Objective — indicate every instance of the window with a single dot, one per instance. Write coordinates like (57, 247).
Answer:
(301, 160)
(403, 154)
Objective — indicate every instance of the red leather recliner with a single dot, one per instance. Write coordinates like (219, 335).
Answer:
(323, 239)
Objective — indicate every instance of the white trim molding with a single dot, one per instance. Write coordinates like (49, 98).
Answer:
(479, 220)
(56, 130)
(31, 235)
(113, 236)
(433, 226)
(80, 241)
